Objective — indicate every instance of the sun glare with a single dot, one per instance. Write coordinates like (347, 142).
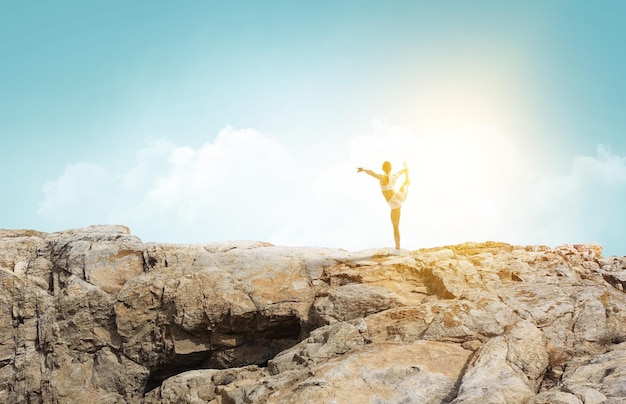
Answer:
(463, 179)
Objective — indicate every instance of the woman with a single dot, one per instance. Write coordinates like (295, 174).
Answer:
(393, 198)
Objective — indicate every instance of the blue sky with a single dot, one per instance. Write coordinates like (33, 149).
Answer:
(201, 121)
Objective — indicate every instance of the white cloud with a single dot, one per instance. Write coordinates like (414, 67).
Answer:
(585, 205)
(79, 197)
(471, 184)
(233, 187)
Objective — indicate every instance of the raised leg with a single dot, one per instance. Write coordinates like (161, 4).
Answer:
(404, 189)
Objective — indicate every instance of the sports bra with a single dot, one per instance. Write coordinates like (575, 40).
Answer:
(391, 185)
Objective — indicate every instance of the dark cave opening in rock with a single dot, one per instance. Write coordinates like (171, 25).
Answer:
(177, 364)
(256, 343)
(257, 352)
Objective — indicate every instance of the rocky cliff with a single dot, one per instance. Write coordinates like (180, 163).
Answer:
(96, 316)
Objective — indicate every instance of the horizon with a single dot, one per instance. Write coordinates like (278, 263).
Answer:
(217, 121)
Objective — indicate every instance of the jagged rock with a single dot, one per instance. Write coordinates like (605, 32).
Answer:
(202, 386)
(511, 366)
(423, 371)
(603, 376)
(95, 315)
(555, 397)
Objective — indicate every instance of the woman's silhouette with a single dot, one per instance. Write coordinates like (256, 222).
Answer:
(393, 198)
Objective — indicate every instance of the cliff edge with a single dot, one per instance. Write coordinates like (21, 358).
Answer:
(95, 315)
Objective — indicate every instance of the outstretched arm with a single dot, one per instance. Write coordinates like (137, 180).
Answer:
(369, 172)
(405, 170)
(399, 173)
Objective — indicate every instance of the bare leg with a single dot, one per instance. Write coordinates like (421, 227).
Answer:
(395, 213)
(404, 189)
(407, 181)
(395, 221)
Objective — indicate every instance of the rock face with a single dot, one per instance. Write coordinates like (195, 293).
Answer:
(95, 315)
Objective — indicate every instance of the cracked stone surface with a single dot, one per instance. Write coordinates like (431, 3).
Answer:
(95, 315)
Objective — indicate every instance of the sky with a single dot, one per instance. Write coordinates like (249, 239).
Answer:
(205, 121)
